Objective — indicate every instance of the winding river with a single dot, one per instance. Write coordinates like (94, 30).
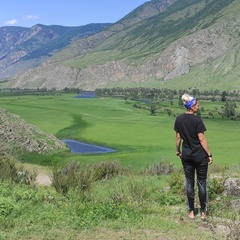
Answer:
(84, 148)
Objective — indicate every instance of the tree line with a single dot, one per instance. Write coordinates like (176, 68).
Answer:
(155, 94)
(151, 96)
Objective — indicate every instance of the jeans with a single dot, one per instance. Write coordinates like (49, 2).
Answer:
(200, 166)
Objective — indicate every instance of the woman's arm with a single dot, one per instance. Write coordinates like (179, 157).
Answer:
(178, 145)
(204, 144)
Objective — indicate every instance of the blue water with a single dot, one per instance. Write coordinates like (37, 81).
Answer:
(84, 148)
(87, 94)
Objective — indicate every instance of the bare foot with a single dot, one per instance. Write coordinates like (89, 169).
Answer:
(191, 215)
(204, 216)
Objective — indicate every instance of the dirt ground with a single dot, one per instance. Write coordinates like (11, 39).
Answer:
(43, 174)
(43, 179)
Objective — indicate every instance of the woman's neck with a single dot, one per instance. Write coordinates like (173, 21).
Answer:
(189, 111)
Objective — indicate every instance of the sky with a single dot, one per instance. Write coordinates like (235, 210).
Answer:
(27, 13)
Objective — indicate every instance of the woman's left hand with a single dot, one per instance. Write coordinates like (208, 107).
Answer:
(210, 160)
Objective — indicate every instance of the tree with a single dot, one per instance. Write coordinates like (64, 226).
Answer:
(229, 110)
(224, 96)
(153, 109)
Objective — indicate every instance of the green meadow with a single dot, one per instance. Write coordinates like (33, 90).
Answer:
(138, 138)
(136, 192)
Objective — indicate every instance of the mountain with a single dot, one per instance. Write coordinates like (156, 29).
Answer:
(23, 48)
(162, 43)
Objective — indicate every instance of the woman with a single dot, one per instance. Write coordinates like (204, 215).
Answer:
(195, 154)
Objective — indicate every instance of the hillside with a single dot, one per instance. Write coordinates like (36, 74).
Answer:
(23, 48)
(16, 136)
(162, 43)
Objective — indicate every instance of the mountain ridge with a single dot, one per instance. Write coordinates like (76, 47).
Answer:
(166, 48)
(22, 48)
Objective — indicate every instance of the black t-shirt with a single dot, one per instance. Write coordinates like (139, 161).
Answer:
(189, 125)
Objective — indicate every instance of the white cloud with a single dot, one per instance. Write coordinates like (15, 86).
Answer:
(30, 17)
(11, 22)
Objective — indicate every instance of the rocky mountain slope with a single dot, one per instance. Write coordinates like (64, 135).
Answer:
(162, 43)
(16, 135)
(23, 48)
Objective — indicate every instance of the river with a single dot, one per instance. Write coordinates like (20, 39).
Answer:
(84, 148)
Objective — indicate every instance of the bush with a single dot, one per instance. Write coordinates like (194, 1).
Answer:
(73, 176)
(177, 182)
(81, 177)
(107, 170)
(6, 206)
(159, 169)
(215, 187)
(11, 170)
(137, 191)
(170, 199)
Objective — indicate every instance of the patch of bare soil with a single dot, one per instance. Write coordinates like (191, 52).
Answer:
(43, 174)
(43, 179)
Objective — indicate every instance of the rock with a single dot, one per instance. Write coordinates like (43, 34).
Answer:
(222, 230)
(236, 205)
(232, 187)
(17, 133)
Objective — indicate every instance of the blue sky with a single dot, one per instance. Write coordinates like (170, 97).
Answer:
(27, 13)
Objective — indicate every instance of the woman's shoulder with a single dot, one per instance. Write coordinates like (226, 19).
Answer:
(189, 117)
(180, 116)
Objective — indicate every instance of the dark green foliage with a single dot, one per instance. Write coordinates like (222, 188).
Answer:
(78, 123)
(139, 93)
(153, 95)
(177, 182)
(229, 110)
(153, 109)
(6, 206)
(170, 199)
(215, 187)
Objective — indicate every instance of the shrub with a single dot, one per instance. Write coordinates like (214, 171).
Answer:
(107, 170)
(118, 193)
(59, 181)
(170, 199)
(159, 169)
(177, 182)
(6, 206)
(73, 176)
(137, 191)
(217, 169)
(81, 177)
(11, 170)
(215, 187)
(8, 168)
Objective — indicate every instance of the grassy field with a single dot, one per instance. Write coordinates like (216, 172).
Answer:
(139, 138)
(133, 205)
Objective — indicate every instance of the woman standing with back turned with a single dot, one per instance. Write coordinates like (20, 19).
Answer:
(195, 154)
